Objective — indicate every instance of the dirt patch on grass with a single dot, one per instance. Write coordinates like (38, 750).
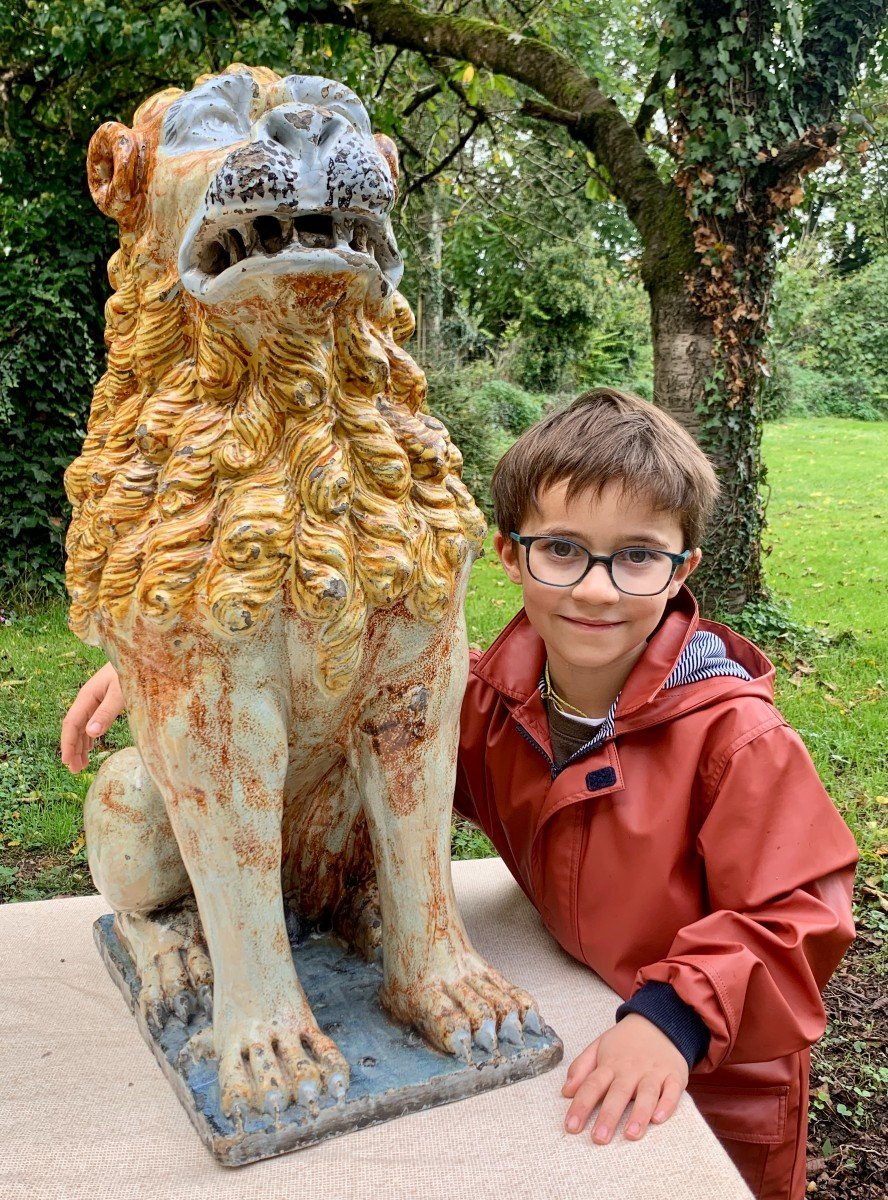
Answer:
(847, 1148)
(41, 876)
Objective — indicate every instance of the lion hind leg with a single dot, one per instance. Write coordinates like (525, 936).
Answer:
(136, 865)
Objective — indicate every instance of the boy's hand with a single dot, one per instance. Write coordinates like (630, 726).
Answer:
(634, 1060)
(97, 706)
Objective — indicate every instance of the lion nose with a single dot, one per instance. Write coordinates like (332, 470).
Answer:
(301, 129)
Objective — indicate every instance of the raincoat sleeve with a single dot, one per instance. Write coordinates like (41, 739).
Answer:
(779, 867)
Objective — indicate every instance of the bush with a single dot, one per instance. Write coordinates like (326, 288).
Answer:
(470, 416)
(579, 330)
(829, 344)
(51, 284)
(794, 391)
(513, 408)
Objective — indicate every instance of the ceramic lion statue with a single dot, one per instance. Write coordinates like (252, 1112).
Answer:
(271, 542)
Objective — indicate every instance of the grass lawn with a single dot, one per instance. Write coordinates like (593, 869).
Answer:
(829, 557)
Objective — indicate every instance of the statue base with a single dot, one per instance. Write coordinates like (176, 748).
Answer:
(393, 1070)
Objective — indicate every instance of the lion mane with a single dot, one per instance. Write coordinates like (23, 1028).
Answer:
(219, 475)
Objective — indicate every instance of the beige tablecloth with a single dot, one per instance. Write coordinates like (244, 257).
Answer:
(85, 1113)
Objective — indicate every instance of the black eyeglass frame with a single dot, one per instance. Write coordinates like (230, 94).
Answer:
(678, 560)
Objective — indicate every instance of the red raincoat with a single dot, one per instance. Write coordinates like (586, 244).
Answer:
(696, 847)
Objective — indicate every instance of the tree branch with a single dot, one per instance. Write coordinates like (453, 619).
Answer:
(601, 127)
(793, 157)
(420, 98)
(538, 111)
(385, 74)
(649, 103)
(448, 158)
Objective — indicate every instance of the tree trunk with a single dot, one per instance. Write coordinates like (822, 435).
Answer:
(685, 378)
(709, 381)
(433, 282)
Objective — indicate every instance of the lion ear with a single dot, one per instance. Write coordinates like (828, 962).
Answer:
(114, 169)
(389, 152)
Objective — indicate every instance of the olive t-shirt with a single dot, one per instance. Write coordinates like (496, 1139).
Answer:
(569, 734)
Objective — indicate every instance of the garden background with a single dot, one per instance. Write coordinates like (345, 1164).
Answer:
(528, 281)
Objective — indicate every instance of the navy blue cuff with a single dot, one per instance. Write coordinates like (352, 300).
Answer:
(663, 1006)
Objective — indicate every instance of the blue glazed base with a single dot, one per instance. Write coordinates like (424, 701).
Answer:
(393, 1070)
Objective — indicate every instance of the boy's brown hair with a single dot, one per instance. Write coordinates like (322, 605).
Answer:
(606, 436)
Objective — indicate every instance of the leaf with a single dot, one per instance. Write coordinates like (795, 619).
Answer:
(468, 74)
(595, 189)
(827, 1149)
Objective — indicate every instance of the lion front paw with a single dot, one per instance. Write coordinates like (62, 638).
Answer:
(172, 962)
(269, 1065)
(473, 1006)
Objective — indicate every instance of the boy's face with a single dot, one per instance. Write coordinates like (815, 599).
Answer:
(592, 627)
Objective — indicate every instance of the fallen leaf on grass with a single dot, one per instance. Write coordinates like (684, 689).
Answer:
(77, 846)
(9, 683)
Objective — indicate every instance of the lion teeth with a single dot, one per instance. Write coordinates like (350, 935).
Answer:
(344, 229)
(267, 235)
(238, 249)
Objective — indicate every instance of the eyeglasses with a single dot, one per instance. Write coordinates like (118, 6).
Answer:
(634, 570)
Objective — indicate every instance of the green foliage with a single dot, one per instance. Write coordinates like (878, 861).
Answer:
(578, 330)
(50, 280)
(471, 418)
(468, 842)
(770, 624)
(513, 408)
(829, 342)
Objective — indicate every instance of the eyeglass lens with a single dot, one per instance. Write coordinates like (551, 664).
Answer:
(638, 572)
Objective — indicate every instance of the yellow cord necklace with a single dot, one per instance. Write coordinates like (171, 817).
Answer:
(563, 706)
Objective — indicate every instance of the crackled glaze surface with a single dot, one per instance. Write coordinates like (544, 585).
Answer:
(271, 540)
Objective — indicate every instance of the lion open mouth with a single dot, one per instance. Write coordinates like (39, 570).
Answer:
(223, 251)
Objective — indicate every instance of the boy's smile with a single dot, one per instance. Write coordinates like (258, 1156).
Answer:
(594, 634)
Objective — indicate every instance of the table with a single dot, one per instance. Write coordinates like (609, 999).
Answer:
(85, 1113)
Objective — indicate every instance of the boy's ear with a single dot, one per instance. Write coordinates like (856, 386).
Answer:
(681, 575)
(508, 552)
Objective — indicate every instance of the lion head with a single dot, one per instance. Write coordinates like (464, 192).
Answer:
(259, 430)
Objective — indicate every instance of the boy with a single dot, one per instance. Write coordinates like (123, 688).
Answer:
(627, 762)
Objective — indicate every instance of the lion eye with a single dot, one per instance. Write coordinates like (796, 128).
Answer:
(215, 115)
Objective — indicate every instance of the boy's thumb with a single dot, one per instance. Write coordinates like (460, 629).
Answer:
(100, 722)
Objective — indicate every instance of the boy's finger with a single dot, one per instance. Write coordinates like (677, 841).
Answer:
(614, 1105)
(646, 1098)
(669, 1098)
(580, 1068)
(102, 720)
(590, 1094)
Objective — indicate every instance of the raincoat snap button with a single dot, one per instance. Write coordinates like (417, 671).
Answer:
(602, 778)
